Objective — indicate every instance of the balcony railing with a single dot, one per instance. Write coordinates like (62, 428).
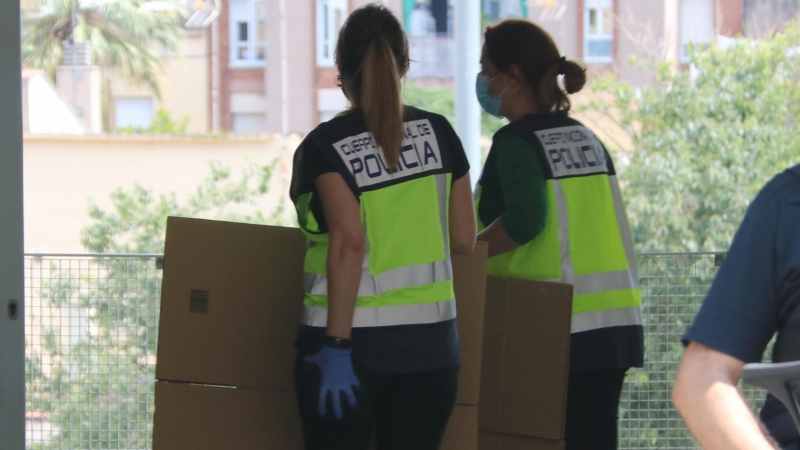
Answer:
(92, 328)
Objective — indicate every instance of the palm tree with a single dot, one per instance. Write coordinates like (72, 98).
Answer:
(125, 37)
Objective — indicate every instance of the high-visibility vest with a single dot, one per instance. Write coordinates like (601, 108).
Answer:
(407, 275)
(586, 240)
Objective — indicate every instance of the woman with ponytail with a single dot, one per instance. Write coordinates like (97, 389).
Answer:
(549, 206)
(382, 192)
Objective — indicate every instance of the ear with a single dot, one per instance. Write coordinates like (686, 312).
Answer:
(516, 75)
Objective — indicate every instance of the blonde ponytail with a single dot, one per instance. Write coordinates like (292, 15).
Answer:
(380, 99)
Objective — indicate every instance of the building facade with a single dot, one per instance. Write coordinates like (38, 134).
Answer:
(246, 74)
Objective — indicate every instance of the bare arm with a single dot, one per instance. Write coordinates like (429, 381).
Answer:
(462, 217)
(706, 396)
(345, 251)
(499, 241)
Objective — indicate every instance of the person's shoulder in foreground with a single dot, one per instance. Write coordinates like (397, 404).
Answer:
(758, 280)
(760, 274)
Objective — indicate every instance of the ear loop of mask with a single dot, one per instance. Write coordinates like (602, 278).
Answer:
(494, 78)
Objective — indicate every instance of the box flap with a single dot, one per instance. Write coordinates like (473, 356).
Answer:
(231, 301)
(525, 357)
(470, 286)
(217, 418)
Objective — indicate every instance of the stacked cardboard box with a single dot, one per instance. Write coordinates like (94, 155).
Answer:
(231, 302)
(230, 305)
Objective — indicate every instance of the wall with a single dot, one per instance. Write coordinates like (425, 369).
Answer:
(63, 173)
(646, 30)
(302, 62)
(184, 83)
(567, 30)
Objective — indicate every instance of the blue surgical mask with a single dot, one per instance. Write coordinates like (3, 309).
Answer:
(490, 103)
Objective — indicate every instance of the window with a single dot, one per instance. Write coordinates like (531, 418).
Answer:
(249, 123)
(248, 34)
(598, 31)
(330, 17)
(697, 24)
(135, 112)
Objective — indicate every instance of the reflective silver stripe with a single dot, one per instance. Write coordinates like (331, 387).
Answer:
(401, 277)
(317, 316)
(408, 276)
(444, 207)
(624, 228)
(567, 269)
(600, 282)
(606, 318)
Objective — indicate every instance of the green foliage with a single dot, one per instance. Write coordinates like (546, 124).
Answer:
(137, 221)
(704, 145)
(442, 101)
(162, 124)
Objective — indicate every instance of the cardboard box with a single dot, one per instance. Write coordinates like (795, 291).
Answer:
(197, 417)
(470, 286)
(525, 358)
(231, 300)
(462, 430)
(496, 441)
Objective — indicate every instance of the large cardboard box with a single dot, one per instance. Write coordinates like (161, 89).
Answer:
(231, 303)
(198, 417)
(497, 441)
(525, 358)
(231, 299)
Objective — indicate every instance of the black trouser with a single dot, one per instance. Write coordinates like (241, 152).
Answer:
(593, 409)
(407, 411)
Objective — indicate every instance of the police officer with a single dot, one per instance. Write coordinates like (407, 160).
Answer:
(383, 195)
(549, 206)
(755, 296)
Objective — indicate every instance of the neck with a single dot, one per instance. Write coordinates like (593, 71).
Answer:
(522, 107)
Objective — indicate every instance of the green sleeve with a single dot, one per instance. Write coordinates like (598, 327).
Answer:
(522, 179)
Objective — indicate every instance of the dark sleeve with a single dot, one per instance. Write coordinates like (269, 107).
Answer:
(739, 316)
(524, 188)
(458, 155)
(310, 161)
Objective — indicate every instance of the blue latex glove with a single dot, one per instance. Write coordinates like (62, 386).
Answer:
(337, 377)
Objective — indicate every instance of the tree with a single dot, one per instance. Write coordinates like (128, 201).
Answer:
(100, 388)
(707, 139)
(124, 38)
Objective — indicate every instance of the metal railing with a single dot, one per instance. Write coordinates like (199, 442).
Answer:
(92, 328)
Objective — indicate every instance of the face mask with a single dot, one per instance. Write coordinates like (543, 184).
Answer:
(490, 103)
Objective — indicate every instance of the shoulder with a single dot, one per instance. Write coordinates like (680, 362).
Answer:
(782, 188)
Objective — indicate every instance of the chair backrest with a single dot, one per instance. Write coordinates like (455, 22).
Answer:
(781, 379)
